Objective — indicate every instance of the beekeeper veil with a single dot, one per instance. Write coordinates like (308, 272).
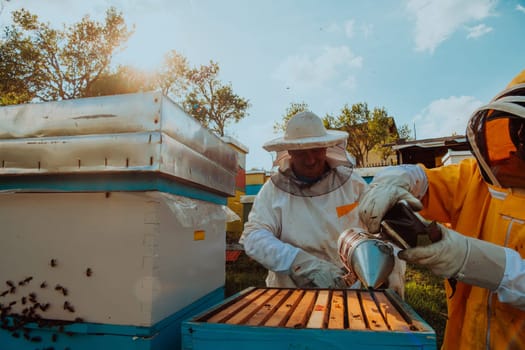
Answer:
(305, 130)
(496, 134)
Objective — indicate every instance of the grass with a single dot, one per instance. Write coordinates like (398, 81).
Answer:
(424, 292)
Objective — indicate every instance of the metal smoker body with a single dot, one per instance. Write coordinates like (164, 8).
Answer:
(371, 259)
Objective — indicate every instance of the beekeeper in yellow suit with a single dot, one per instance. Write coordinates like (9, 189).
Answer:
(298, 215)
(483, 200)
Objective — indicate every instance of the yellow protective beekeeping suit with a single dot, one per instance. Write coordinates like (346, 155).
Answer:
(458, 195)
(485, 199)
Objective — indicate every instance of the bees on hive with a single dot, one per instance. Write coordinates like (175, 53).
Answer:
(32, 310)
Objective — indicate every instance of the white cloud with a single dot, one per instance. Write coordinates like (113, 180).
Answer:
(478, 31)
(445, 117)
(350, 82)
(304, 71)
(367, 29)
(437, 20)
(331, 28)
(349, 28)
(520, 8)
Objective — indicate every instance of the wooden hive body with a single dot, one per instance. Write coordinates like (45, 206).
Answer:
(274, 318)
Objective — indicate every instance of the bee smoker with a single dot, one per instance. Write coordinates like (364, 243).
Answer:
(369, 258)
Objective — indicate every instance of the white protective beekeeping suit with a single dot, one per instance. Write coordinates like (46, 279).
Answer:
(295, 225)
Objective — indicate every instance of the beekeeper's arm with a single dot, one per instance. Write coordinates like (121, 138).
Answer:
(261, 243)
(480, 263)
(474, 262)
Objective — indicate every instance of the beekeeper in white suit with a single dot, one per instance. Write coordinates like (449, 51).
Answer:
(297, 217)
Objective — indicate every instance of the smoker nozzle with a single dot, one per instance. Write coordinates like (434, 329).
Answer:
(371, 259)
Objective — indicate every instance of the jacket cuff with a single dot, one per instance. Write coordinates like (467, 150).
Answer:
(484, 266)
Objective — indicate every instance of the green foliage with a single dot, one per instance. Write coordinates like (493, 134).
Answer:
(404, 132)
(292, 110)
(172, 77)
(124, 80)
(211, 102)
(367, 129)
(39, 62)
(17, 57)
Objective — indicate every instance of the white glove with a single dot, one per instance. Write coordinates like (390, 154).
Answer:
(388, 188)
(396, 279)
(467, 259)
(307, 269)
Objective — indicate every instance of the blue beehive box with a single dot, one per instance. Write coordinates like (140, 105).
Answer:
(275, 318)
(113, 222)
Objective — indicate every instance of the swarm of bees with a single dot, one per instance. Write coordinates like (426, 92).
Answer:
(32, 309)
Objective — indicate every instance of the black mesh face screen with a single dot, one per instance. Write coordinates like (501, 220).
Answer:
(478, 127)
(517, 135)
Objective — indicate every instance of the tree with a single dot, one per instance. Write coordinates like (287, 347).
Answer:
(212, 103)
(367, 129)
(173, 76)
(384, 149)
(292, 110)
(17, 75)
(124, 80)
(58, 64)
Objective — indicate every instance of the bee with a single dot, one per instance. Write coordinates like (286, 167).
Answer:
(4, 293)
(25, 281)
(24, 300)
(64, 291)
(10, 284)
(12, 290)
(43, 285)
(79, 319)
(89, 272)
(68, 306)
(54, 338)
(53, 262)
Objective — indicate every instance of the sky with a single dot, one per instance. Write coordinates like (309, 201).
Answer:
(428, 63)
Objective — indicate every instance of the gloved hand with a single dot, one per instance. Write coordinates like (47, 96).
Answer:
(307, 269)
(467, 259)
(387, 188)
(396, 279)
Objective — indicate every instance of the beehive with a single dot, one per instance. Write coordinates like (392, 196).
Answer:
(274, 318)
(112, 214)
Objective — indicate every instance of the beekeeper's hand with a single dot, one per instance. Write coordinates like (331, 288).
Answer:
(307, 269)
(389, 187)
(396, 279)
(466, 259)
